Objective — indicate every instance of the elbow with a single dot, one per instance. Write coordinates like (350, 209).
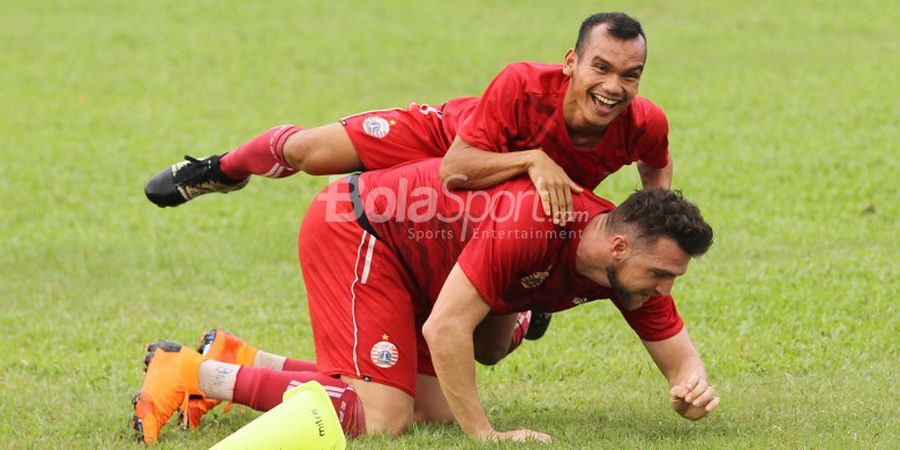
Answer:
(445, 171)
(450, 174)
(431, 332)
(440, 335)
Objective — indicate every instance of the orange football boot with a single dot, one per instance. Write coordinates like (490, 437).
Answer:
(172, 378)
(218, 345)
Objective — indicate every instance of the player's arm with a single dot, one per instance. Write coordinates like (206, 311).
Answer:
(449, 331)
(656, 177)
(468, 167)
(690, 394)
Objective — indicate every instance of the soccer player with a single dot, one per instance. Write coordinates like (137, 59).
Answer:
(420, 281)
(563, 125)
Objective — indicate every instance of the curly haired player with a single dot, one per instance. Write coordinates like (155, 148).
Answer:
(421, 282)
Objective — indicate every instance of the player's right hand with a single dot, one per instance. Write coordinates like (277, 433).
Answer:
(554, 186)
(694, 398)
(520, 435)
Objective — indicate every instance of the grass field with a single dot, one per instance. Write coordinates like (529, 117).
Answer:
(783, 123)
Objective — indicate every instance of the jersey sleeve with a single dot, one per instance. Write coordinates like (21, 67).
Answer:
(500, 251)
(653, 142)
(656, 320)
(495, 119)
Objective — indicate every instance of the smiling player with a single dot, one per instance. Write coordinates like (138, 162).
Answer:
(560, 124)
(563, 125)
(421, 282)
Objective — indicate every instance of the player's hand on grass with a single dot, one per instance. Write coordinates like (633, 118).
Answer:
(520, 435)
(554, 187)
(694, 398)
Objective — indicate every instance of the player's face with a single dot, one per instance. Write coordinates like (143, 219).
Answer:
(647, 272)
(604, 78)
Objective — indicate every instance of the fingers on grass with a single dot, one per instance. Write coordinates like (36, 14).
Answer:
(678, 392)
(712, 404)
(692, 381)
(696, 392)
(707, 396)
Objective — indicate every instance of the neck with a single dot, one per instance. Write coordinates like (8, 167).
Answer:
(591, 260)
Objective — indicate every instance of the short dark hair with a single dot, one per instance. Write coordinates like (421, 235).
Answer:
(656, 213)
(619, 25)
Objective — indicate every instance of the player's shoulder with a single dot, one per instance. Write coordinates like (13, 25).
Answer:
(590, 204)
(643, 117)
(532, 67)
(643, 110)
(535, 76)
(644, 107)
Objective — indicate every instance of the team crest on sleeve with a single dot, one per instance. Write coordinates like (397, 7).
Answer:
(384, 354)
(376, 126)
(536, 279)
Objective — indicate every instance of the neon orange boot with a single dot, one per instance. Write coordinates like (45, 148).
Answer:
(221, 345)
(218, 345)
(172, 379)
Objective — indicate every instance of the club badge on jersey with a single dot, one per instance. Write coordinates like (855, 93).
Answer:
(384, 354)
(376, 126)
(536, 279)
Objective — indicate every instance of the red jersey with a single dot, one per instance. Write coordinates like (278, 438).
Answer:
(522, 109)
(510, 251)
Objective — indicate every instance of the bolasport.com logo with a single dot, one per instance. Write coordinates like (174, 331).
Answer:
(438, 212)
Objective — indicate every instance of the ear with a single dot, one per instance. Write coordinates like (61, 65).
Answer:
(569, 62)
(620, 245)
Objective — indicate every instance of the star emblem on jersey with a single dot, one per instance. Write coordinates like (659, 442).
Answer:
(536, 279)
(376, 126)
(384, 354)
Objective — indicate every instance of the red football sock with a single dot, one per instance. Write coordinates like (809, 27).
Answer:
(262, 389)
(262, 155)
(298, 365)
(519, 331)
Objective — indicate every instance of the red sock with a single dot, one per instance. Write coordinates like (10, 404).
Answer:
(519, 331)
(262, 389)
(298, 365)
(262, 155)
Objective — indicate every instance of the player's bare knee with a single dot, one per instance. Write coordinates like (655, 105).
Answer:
(297, 150)
(322, 150)
(389, 424)
(433, 416)
(387, 410)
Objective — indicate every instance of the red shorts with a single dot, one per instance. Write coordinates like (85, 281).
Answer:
(388, 137)
(365, 322)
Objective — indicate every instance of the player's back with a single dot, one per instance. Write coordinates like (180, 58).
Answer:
(426, 224)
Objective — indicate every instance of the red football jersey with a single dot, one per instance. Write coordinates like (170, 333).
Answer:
(510, 251)
(522, 110)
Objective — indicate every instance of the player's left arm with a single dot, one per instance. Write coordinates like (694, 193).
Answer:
(656, 177)
(448, 331)
(654, 162)
(690, 394)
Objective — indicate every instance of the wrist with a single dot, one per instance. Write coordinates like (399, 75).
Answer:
(530, 158)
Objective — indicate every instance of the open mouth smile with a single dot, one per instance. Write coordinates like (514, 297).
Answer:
(602, 103)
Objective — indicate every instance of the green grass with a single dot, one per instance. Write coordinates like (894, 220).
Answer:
(783, 127)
